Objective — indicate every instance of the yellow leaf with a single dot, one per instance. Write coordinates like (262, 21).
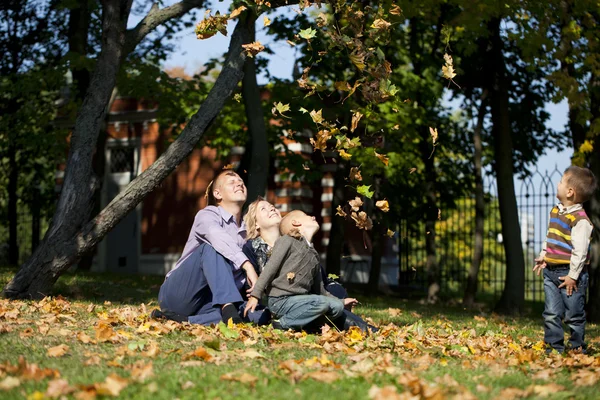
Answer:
(434, 134)
(344, 154)
(383, 205)
(383, 158)
(586, 147)
(317, 116)
(355, 118)
(266, 21)
(390, 233)
(358, 60)
(237, 12)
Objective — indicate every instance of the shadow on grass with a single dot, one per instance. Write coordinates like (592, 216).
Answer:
(101, 287)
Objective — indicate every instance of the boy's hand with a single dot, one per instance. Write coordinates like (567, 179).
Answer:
(350, 302)
(250, 305)
(569, 283)
(540, 264)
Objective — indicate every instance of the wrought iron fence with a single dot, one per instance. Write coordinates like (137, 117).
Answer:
(455, 237)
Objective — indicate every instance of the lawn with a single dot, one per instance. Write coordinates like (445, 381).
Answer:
(93, 338)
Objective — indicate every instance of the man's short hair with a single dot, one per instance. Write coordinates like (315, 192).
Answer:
(286, 227)
(583, 181)
(209, 195)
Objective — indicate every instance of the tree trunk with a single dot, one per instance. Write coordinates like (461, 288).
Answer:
(258, 172)
(593, 208)
(471, 288)
(13, 218)
(513, 295)
(335, 246)
(61, 250)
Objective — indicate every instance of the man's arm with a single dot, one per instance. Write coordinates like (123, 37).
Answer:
(580, 239)
(208, 227)
(281, 250)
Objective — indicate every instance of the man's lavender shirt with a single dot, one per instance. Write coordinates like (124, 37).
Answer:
(218, 228)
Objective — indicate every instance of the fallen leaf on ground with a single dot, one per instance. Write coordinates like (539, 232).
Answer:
(58, 351)
(244, 377)
(58, 388)
(10, 382)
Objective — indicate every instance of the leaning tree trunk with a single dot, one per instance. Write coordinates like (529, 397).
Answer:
(513, 295)
(471, 289)
(258, 171)
(61, 250)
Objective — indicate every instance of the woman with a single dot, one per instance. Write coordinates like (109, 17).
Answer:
(262, 230)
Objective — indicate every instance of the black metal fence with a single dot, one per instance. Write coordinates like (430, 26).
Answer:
(536, 195)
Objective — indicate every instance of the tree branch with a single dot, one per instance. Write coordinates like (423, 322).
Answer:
(156, 17)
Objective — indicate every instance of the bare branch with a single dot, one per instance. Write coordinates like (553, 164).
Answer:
(156, 17)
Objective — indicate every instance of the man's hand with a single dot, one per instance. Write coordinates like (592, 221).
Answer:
(349, 303)
(250, 275)
(569, 283)
(250, 305)
(540, 264)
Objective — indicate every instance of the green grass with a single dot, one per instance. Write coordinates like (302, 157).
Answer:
(424, 350)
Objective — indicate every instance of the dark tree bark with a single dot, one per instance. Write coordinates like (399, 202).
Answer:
(258, 171)
(513, 295)
(471, 288)
(13, 177)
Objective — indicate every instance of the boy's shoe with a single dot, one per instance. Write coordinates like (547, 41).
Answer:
(230, 312)
(159, 314)
(277, 325)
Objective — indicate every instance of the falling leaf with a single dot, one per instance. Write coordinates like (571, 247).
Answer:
(355, 174)
(439, 214)
(434, 135)
(253, 48)
(58, 351)
(317, 116)
(364, 190)
(290, 43)
(383, 205)
(355, 119)
(356, 203)
(235, 13)
(280, 108)
(380, 24)
(362, 220)
(410, 171)
(358, 59)
(307, 33)
(321, 142)
(211, 24)
(390, 233)
(395, 9)
(340, 212)
(290, 276)
(10, 382)
(383, 158)
(344, 154)
(266, 21)
(237, 97)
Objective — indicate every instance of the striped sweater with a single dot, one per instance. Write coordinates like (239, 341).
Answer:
(558, 240)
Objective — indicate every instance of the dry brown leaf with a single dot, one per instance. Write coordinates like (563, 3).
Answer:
(58, 388)
(380, 24)
(141, 371)
(322, 376)
(383, 205)
(235, 13)
(383, 158)
(385, 393)
(58, 351)
(187, 385)
(355, 119)
(10, 382)
(395, 9)
(112, 385)
(356, 203)
(251, 354)
(355, 174)
(362, 220)
(434, 134)
(253, 48)
(340, 212)
(200, 352)
(84, 338)
(244, 377)
(585, 377)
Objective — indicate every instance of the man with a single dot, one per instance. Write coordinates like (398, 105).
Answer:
(204, 287)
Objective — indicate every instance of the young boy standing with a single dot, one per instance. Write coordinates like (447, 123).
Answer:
(565, 258)
(292, 278)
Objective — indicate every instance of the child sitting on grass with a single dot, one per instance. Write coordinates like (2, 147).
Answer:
(292, 278)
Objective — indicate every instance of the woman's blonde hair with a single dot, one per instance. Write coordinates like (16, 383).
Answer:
(250, 219)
